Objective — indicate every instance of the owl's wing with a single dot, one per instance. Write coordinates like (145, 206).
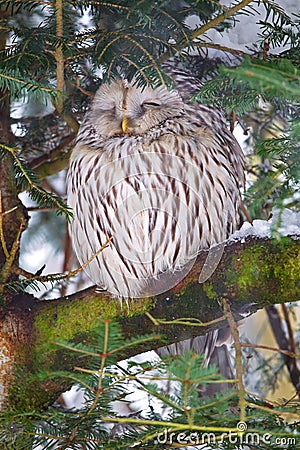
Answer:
(226, 145)
(214, 353)
(187, 84)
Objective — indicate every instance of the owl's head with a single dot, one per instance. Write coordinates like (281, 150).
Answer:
(121, 108)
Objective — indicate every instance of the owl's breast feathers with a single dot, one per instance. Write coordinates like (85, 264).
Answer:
(163, 195)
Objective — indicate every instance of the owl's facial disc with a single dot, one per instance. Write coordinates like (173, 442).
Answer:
(120, 108)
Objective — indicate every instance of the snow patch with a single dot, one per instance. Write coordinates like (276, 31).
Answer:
(284, 223)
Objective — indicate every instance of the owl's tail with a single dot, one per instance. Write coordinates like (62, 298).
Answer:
(214, 346)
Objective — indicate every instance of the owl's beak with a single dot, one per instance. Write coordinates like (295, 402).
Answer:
(124, 124)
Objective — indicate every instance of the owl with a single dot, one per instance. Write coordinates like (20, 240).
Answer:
(157, 174)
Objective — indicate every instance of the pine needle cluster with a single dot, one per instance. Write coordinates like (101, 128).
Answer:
(178, 418)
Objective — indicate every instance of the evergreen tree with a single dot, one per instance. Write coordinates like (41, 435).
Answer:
(52, 55)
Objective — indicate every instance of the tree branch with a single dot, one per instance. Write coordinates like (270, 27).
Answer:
(12, 218)
(55, 161)
(219, 19)
(251, 275)
(207, 26)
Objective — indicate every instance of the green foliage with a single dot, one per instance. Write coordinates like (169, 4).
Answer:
(182, 415)
(275, 84)
(277, 178)
(27, 180)
(277, 81)
(35, 282)
(228, 94)
(21, 87)
(134, 39)
(279, 29)
(277, 78)
(123, 37)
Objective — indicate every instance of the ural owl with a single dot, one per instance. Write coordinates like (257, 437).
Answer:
(159, 175)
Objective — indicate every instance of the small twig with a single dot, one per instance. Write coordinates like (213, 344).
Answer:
(292, 343)
(263, 399)
(19, 271)
(5, 213)
(290, 332)
(207, 26)
(232, 121)
(246, 213)
(219, 19)
(31, 184)
(153, 320)
(190, 321)
(291, 399)
(84, 265)
(289, 415)
(238, 358)
(273, 349)
(220, 47)
(60, 277)
(84, 91)
(266, 50)
(11, 255)
(2, 237)
(37, 209)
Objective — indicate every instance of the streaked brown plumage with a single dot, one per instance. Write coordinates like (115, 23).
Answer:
(158, 174)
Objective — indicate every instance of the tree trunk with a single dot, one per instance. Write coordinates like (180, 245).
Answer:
(12, 223)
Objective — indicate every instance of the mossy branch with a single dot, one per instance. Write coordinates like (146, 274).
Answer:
(251, 275)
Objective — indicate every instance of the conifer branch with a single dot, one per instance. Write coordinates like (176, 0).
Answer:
(220, 47)
(272, 349)
(219, 19)
(33, 281)
(14, 82)
(272, 6)
(207, 26)
(27, 180)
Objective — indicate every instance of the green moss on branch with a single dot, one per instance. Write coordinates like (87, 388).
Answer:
(252, 275)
